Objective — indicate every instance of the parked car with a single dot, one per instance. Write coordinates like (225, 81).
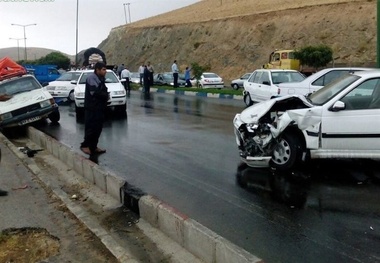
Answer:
(29, 102)
(239, 83)
(116, 89)
(167, 79)
(43, 73)
(263, 84)
(210, 80)
(62, 88)
(340, 120)
(135, 78)
(316, 81)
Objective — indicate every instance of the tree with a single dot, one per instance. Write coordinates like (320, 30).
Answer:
(198, 69)
(314, 56)
(55, 58)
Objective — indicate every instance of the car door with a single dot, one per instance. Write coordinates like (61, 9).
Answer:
(354, 130)
(263, 89)
(251, 85)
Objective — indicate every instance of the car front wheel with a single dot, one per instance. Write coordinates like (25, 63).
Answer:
(71, 96)
(287, 153)
(247, 100)
(55, 116)
(235, 86)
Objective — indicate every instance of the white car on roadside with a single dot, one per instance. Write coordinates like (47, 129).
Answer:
(210, 80)
(338, 121)
(62, 87)
(263, 84)
(29, 102)
(316, 81)
(118, 99)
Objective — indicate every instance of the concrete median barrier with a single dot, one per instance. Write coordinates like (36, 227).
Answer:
(194, 237)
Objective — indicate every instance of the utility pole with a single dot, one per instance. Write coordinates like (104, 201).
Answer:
(125, 14)
(76, 38)
(129, 12)
(25, 55)
(18, 47)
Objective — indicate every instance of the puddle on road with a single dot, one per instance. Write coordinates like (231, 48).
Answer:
(27, 245)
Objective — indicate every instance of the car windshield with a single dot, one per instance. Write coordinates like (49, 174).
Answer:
(135, 75)
(286, 76)
(69, 76)
(210, 75)
(324, 94)
(110, 77)
(19, 85)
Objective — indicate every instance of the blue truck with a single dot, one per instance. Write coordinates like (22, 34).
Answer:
(43, 73)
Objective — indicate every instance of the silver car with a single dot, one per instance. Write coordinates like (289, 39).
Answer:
(238, 83)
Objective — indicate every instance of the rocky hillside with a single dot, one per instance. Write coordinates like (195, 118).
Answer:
(237, 36)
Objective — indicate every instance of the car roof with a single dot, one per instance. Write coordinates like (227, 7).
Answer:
(91, 70)
(364, 73)
(276, 70)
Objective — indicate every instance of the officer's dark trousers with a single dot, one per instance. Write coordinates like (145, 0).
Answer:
(93, 125)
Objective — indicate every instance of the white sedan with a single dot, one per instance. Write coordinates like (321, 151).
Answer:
(62, 87)
(118, 99)
(340, 120)
(316, 81)
(263, 84)
(210, 80)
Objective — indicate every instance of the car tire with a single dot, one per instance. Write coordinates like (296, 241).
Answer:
(247, 100)
(200, 86)
(235, 86)
(55, 116)
(288, 152)
(122, 110)
(71, 96)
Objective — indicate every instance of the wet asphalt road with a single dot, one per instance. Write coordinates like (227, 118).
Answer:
(182, 149)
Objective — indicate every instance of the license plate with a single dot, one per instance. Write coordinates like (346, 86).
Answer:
(29, 120)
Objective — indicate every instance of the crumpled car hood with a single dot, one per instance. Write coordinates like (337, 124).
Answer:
(296, 110)
(253, 113)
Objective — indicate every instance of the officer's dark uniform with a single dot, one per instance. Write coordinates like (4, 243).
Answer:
(95, 105)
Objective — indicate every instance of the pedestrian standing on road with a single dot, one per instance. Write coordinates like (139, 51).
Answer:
(151, 72)
(175, 71)
(146, 80)
(126, 75)
(187, 77)
(95, 105)
(141, 71)
(4, 97)
(119, 70)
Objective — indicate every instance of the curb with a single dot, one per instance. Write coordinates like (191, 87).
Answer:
(196, 94)
(194, 237)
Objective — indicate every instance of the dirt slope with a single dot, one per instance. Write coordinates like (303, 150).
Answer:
(236, 36)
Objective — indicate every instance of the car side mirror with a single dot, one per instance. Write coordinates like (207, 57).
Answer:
(338, 106)
(73, 82)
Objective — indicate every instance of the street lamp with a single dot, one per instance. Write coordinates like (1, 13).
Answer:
(129, 12)
(25, 55)
(18, 47)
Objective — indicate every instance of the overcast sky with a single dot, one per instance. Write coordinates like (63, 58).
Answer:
(56, 20)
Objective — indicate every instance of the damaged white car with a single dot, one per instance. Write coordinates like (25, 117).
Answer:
(341, 120)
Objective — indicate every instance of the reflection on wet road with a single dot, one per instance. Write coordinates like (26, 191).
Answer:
(182, 149)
